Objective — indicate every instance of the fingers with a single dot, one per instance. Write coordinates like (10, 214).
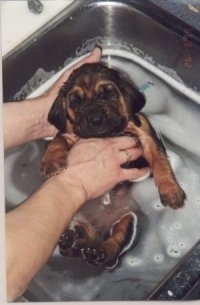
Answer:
(135, 174)
(52, 92)
(116, 144)
(95, 56)
(124, 142)
(127, 147)
(122, 148)
(129, 155)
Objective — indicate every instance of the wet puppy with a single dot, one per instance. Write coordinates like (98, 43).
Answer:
(97, 101)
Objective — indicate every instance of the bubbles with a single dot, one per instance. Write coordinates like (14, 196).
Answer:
(170, 293)
(119, 271)
(158, 258)
(171, 72)
(198, 201)
(173, 251)
(177, 225)
(158, 206)
(40, 77)
(182, 244)
(134, 261)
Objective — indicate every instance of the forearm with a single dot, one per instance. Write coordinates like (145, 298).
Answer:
(33, 229)
(25, 121)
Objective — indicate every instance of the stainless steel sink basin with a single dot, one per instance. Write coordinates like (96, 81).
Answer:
(136, 25)
(150, 45)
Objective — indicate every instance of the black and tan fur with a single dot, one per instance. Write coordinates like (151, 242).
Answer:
(97, 101)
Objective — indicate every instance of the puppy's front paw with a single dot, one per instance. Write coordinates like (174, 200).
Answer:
(52, 164)
(172, 195)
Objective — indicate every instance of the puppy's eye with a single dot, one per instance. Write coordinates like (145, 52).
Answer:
(74, 101)
(106, 91)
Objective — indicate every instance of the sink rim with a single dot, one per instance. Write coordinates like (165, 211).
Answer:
(63, 15)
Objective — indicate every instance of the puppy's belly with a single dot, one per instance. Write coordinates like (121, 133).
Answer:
(103, 216)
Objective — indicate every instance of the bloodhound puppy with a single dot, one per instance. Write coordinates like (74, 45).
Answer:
(97, 101)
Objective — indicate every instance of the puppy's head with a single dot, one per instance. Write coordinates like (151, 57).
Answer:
(96, 101)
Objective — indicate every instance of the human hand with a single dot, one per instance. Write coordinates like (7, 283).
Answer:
(94, 165)
(48, 97)
(52, 92)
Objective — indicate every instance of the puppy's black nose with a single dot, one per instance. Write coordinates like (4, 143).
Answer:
(95, 118)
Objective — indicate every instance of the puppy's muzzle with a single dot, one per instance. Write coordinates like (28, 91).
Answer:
(99, 120)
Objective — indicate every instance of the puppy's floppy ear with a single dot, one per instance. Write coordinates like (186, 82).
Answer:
(135, 100)
(57, 113)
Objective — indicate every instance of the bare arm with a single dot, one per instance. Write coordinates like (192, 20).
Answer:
(33, 228)
(27, 120)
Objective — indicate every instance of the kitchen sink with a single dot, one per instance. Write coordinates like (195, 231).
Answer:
(161, 54)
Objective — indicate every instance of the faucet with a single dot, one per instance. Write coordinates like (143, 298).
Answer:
(35, 6)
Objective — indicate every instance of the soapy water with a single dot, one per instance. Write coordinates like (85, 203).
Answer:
(168, 234)
(40, 77)
(46, 77)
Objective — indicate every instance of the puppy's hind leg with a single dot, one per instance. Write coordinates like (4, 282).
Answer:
(121, 237)
(74, 242)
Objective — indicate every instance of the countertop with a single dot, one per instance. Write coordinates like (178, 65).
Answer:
(18, 22)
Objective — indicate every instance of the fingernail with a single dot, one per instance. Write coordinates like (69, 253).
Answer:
(98, 46)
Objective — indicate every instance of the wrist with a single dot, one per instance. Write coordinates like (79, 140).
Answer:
(68, 192)
(42, 107)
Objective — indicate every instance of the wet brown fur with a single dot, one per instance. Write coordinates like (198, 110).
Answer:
(114, 104)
